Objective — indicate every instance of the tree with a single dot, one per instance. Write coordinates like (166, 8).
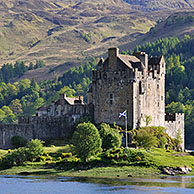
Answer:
(16, 106)
(35, 149)
(110, 137)
(67, 90)
(86, 140)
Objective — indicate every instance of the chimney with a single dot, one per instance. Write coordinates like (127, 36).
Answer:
(113, 53)
(62, 97)
(79, 100)
(143, 57)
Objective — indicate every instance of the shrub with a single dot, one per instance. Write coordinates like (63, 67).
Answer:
(14, 158)
(110, 137)
(18, 141)
(145, 138)
(18, 156)
(66, 155)
(35, 149)
(86, 140)
(138, 157)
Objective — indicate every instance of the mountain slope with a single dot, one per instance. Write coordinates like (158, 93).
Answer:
(66, 30)
(153, 5)
(178, 25)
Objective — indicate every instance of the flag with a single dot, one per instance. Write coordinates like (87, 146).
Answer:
(123, 114)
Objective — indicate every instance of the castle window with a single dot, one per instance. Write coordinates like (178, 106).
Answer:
(100, 75)
(149, 86)
(127, 102)
(157, 86)
(158, 104)
(161, 97)
(141, 88)
(104, 75)
(111, 99)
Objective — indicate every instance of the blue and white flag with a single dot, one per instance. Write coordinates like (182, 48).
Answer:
(123, 114)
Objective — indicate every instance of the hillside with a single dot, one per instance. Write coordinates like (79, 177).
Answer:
(65, 31)
(153, 5)
(178, 25)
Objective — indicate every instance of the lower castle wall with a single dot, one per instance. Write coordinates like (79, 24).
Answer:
(36, 127)
(176, 124)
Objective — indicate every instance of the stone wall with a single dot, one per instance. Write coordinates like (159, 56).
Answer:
(7, 131)
(173, 123)
(36, 127)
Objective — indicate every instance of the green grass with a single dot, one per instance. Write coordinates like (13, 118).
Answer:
(159, 157)
(3, 152)
(171, 159)
(100, 172)
(58, 149)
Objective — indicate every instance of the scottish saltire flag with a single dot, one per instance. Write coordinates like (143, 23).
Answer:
(123, 114)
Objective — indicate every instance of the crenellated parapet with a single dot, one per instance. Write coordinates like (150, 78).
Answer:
(174, 124)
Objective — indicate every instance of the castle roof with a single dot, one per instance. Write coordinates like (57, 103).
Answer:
(70, 100)
(75, 100)
(131, 61)
(155, 60)
(128, 60)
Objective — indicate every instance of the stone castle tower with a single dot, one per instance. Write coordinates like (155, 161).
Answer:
(133, 83)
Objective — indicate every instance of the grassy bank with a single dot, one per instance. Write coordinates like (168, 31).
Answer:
(100, 172)
(50, 166)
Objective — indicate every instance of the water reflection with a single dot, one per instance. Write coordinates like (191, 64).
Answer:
(58, 185)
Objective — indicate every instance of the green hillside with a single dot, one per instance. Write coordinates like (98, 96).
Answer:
(65, 31)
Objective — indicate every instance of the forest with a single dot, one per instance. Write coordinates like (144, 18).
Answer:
(25, 96)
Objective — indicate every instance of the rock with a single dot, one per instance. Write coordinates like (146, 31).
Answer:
(176, 170)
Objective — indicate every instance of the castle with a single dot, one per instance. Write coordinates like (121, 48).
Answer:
(121, 82)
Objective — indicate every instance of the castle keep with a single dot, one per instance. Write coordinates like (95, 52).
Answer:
(136, 84)
(121, 82)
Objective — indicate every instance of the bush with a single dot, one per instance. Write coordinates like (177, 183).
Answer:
(35, 149)
(86, 140)
(66, 155)
(18, 141)
(145, 138)
(110, 137)
(18, 156)
(138, 157)
(14, 158)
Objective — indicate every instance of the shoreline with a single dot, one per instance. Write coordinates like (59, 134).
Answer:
(124, 172)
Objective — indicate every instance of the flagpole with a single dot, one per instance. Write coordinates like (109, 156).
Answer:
(126, 129)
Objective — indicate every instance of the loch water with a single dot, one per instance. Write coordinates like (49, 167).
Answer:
(59, 185)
